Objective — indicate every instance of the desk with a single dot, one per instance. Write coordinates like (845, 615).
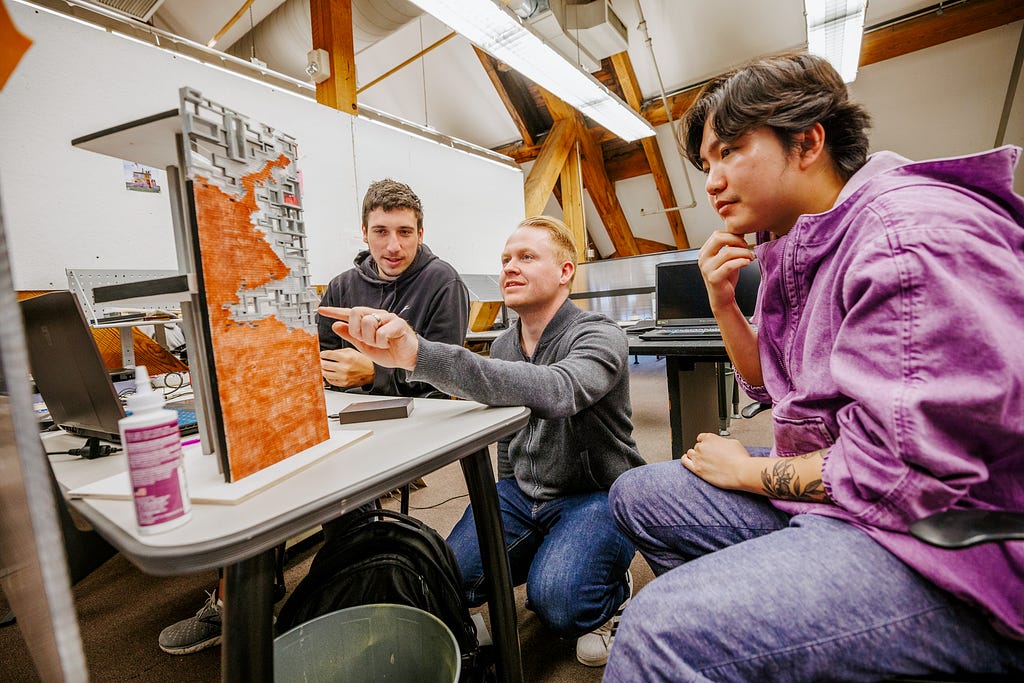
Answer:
(696, 391)
(241, 538)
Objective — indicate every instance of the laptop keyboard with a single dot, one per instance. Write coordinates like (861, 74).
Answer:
(186, 417)
(682, 333)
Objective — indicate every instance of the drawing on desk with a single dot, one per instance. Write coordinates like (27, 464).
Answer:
(249, 245)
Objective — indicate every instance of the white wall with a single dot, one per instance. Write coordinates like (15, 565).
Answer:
(67, 207)
(470, 205)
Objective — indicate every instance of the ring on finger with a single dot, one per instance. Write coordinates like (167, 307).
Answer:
(377, 318)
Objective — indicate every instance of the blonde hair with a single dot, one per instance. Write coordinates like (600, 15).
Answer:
(561, 236)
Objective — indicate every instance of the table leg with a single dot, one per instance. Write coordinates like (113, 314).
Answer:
(127, 347)
(247, 651)
(491, 533)
(692, 400)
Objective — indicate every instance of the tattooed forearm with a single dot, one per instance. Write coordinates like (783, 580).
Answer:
(781, 479)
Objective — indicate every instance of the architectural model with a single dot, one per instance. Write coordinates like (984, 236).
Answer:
(249, 243)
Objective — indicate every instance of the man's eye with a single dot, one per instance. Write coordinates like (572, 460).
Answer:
(726, 151)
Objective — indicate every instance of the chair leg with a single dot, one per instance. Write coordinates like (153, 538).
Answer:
(735, 395)
(723, 405)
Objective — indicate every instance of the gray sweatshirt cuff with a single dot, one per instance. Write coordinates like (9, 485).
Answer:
(434, 360)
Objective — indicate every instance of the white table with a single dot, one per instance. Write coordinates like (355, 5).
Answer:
(241, 538)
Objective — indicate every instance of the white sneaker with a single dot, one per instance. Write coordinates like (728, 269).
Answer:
(592, 648)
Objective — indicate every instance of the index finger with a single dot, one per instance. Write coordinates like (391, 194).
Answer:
(719, 239)
(334, 312)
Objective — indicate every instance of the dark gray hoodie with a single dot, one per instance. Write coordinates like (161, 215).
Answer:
(429, 295)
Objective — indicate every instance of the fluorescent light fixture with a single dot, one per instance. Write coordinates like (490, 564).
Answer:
(834, 31)
(500, 33)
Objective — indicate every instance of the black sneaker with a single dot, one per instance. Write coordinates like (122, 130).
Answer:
(195, 633)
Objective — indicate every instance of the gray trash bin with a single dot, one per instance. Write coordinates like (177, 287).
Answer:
(392, 643)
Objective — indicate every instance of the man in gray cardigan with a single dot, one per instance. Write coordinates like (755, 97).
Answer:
(570, 368)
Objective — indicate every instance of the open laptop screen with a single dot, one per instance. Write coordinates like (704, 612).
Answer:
(681, 299)
(67, 367)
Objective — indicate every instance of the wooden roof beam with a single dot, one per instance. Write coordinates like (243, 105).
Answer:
(651, 246)
(490, 65)
(594, 177)
(548, 167)
(623, 68)
(331, 22)
(602, 192)
(571, 199)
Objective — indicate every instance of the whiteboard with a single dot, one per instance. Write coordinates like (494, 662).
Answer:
(69, 208)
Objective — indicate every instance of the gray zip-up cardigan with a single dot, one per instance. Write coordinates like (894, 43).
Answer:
(579, 437)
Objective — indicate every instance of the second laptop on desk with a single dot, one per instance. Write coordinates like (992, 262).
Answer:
(682, 309)
(69, 371)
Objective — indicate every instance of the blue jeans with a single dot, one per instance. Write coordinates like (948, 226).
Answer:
(568, 552)
(745, 592)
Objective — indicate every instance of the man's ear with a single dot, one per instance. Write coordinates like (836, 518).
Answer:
(811, 144)
(568, 270)
(365, 240)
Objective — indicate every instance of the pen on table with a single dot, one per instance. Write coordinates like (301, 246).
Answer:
(189, 442)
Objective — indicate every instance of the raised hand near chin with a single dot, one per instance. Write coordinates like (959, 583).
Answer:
(720, 259)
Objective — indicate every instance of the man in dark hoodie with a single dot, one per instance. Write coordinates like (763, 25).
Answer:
(399, 274)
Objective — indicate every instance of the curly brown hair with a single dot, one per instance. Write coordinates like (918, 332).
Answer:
(388, 194)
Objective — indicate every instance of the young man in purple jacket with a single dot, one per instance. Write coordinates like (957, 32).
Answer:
(887, 339)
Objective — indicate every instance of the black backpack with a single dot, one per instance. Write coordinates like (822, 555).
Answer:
(380, 556)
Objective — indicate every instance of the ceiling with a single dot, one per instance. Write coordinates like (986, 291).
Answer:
(465, 94)
(448, 89)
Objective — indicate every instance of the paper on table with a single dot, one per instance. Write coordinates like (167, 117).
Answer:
(207, 485)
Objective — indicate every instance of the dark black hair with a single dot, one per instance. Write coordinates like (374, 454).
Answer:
(789, 94)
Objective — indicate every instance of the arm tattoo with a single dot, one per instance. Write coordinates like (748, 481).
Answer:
(781, 481)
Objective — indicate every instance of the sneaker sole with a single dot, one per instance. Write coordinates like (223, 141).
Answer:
(203, 645)
(592, 662)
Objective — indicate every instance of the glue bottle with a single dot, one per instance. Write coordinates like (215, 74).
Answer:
(152, 444)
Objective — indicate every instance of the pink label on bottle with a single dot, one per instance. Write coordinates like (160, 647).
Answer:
(157, 474)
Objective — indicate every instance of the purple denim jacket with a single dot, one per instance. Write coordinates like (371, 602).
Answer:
(891, 332)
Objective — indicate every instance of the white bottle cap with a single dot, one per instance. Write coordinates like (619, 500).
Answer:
(144, 399)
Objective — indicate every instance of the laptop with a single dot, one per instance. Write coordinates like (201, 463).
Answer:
(69, 372)
(682, 309)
